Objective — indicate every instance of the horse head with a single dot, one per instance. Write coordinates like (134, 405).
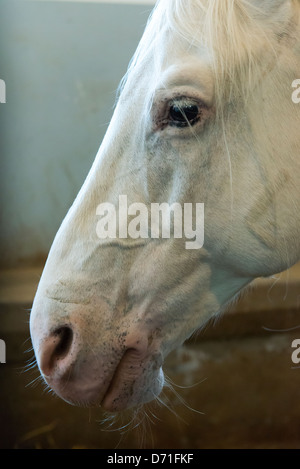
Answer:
(193, 194)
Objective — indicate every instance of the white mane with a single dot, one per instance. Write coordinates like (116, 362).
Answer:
(231, 30)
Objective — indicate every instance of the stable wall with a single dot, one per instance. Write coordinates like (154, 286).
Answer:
(61, 63)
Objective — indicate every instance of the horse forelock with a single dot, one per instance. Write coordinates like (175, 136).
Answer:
(238, 35)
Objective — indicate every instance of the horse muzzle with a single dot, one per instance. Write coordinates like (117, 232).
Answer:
(115, 372)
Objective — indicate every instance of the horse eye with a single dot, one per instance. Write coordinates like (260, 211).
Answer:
(183, 116)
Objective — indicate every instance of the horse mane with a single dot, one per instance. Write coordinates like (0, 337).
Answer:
(238, 34)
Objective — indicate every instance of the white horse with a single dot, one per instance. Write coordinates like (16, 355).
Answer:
(207, 114)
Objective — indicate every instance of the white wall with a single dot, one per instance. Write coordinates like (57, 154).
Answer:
(62, 63)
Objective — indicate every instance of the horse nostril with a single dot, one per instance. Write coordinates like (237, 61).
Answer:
(54, 349)
(64, 336)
